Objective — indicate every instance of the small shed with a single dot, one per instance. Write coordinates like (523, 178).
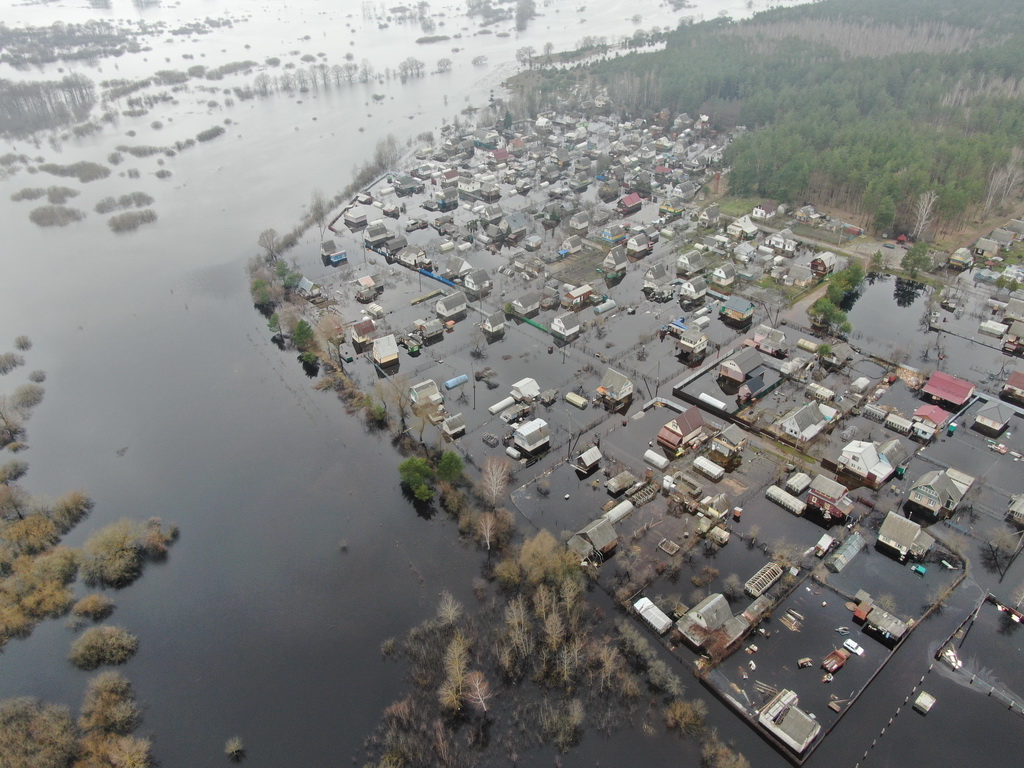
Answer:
(653, 615)
(385, 350)
(454, 426)
(589, 460)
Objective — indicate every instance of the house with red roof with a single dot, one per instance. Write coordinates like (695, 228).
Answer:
(948, 389)
(1014, 386)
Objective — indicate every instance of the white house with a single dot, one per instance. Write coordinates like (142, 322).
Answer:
(742, 229)
(723, 275)
(566, 326)
(693, 289)
(765, 210)
(531, 436)
(692, 342)
(782, 241)
(804, 422)
(451, 306)
(690, 263)
(477, 282)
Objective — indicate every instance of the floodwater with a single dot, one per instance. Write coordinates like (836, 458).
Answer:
(165, 397)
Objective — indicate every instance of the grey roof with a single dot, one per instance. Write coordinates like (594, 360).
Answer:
(894, 451)
(732, 434)
(996, 412)
(601, 533)
(698, 284)
(905, 534)
(738, 304)
(454, 423)
(828, 487)
(948, 492)
(712, 612)
(726, 270)
(804, 417)
(747, 359)
(452, 302)
(614, 382)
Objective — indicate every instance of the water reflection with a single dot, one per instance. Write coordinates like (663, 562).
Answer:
(907, 292)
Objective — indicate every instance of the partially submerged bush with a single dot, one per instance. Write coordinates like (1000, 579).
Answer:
(132, 220)
(55, 216)
(36, 735)
(95, 606)
(114, 556)
(109, 705)
(9, 361)
(103, 645)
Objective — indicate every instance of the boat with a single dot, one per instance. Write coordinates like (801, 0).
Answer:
(842, 630)
(835, 660)
(804, 662)
(827, 677)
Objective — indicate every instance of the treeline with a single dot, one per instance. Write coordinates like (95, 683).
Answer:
(31, 106)
(852, 104)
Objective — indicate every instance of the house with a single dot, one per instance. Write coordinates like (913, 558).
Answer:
(737, 310)
(683, 430)
(904, 536)
(1014, 310)
(531, 436)
(385, 350)
(1013, 389)
(455, 267)
(709, 216)
(940, 492)
(638, 246)
(657, 277)
(451, 306)
(332, 254)
(629, 204)
(830, 497)
(615, 263)
(927, 420)
(738, 367)
(307, 288)
(787, 722)
(799, 275)
(986, 248)
(961, 259)
(993, 417)
(566, 326)
(477, 282)
(803, 423)
(730, 442)
(692, 342)
(516, 226)
(1015, 511)
(871, 462)
(824, 264)
(376, 234)
(690, 263)
(783, 242)
(742, 229)
(770, 340)
(600, 535)
(571, 244)
(430, 330)
(580, 221)
(765, 211)
(493, 213)
(723, 275)
(948, 389)
(1003, 237)
(527, 305)
(577, 298)
(425, 395)
(615, 390)
(693, 290)
(493, 324)
(613, 234)
(710, 623)
(454, 426)
(589, 460)
(364, 332)
(672, 208)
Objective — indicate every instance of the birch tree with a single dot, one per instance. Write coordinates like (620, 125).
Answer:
(477, 691)
(923, 212)
(494, 479)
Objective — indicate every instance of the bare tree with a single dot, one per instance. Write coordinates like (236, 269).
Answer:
(494, 479)
(524, 55)
(319, 210)
(485, 527)
(923, 212)
(449, 609)
(270, 242)
(477, 691)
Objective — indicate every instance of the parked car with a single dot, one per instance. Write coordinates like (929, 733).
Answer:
(852, 647)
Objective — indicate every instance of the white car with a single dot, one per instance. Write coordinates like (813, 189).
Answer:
(852, 647)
